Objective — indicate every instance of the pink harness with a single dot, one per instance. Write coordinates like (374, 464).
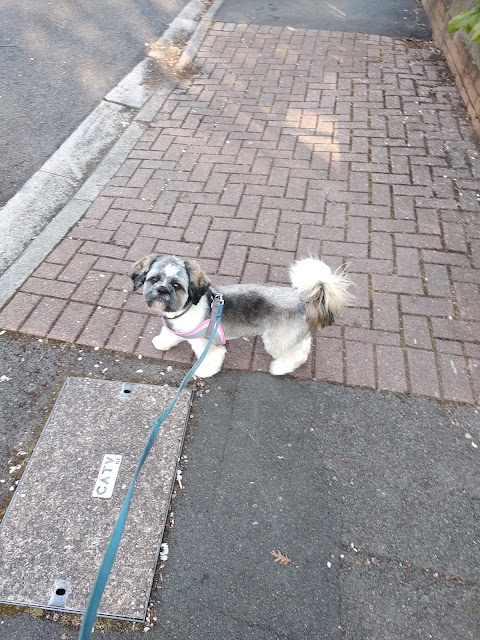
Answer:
(199, 332)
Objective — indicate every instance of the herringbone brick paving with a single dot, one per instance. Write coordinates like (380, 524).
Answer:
(289, 142)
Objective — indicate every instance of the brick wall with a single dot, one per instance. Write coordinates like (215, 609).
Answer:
(463, 56)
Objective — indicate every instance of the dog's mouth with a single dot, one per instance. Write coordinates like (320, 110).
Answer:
(158, 303)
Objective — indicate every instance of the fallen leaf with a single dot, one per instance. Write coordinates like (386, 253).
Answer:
(280, 557)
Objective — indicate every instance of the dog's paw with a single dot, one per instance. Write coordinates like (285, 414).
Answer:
(281, 367)
(165, 341)
(204, 371)
(212, 363)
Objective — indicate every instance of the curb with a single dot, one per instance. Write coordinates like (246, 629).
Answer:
(57, 195)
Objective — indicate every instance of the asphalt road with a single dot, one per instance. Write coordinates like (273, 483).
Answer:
(57, 61)
(395, 18)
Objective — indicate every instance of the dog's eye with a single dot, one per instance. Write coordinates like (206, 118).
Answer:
(153, 279)
(176, 286)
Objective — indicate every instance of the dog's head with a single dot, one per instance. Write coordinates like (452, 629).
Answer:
(169, 284)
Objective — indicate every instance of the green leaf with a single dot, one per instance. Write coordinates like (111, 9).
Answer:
(475, 33)
(467, 20)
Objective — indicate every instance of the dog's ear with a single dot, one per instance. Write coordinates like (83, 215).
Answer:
(198, 281)
(140, 270)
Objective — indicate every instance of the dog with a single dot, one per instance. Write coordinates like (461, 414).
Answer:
(285, 317)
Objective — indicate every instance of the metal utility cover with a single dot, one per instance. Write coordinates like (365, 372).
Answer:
(55, 531)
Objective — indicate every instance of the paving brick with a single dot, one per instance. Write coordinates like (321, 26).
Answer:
(214, 244)
(144, 345)
(140, 177)
(252, 239)
(103, 249)
(345, 249)
(113, 219)
(459, 330)
(428, 221)
(455, 379)
(474, 371)
(81, 232)
(71, 322)
(407, 262)
(52, 288)
(112, 299)
(99, 327)
(92, 287)
(424, 306)
(233, 260)
(286, 237)
(48, 271)
(232, 194)
(385, 312)
(126, 332)
(354, 317)
(232, 224)
(239, 354)
(321, 232)
(255, 273)
(397, 284)
(372, 336)
(180, 249)
(423, 373)
(77, 268)
(369, 265)
(197, 229)
(128, 168)
(360, 366)
(17, 310)
(416, 332)
(140, 247)
(445, 257)
(468, 300)
(125, 234)
(261, 359)
(111, 265)
(451, 347)
(358, 231)
(65, 251)
(147, 217)
(43, 316)
(271, 256)
(249, 207)
(162, 233)
(391, 369)
(97, 209)
(381, 246)
(437, 280)
(278, 275)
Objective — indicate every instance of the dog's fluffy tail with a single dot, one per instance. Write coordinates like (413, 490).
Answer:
(324, 291)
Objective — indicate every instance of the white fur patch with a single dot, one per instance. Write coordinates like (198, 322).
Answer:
(171, 270)
(306, 274)
(311, 274)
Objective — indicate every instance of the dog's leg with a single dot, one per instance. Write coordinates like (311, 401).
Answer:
(166, 340)
(212, 362)
(292, 358)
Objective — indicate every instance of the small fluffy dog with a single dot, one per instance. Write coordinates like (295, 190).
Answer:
(285, 317)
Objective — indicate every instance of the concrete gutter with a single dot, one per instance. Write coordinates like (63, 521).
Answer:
(56, 196)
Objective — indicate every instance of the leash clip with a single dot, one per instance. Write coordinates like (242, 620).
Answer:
(217, 298)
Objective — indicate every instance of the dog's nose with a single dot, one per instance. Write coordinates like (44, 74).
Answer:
(162, 289)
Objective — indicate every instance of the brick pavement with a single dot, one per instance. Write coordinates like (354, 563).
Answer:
(290, 142)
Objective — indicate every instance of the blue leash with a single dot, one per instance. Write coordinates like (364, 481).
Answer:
(110, 553)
